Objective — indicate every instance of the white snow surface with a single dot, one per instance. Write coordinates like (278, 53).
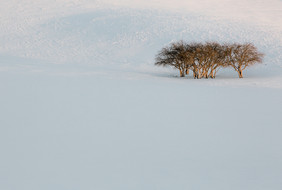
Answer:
(84, 107)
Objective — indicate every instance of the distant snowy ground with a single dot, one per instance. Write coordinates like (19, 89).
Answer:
(125, 35)
(84, 107)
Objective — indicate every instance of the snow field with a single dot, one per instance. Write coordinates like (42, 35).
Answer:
(126, 134)
(84, 107)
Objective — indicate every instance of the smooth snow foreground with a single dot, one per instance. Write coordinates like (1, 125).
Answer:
(84, 107)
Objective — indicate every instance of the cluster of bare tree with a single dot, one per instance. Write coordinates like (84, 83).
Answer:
(204, 60)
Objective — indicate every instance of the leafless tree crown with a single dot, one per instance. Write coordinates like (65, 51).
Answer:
(204, 60)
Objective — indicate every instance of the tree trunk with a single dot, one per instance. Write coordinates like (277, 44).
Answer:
(182, 74)
(211, 75)
(206, 74)
(194, 74)
(199, 76)
(240, 73)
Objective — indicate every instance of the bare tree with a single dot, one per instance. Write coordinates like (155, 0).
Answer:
(174, 55)
(206, 59)
(242, 56)
(200, 60)
(215, 53)
(194, 60)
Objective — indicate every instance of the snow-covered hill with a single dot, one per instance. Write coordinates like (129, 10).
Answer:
(126, 35)
(84, 107)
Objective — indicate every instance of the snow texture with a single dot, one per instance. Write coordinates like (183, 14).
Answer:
(84, 107)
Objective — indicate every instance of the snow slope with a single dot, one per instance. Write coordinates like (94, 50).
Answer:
(127, 35)
(84, 107)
